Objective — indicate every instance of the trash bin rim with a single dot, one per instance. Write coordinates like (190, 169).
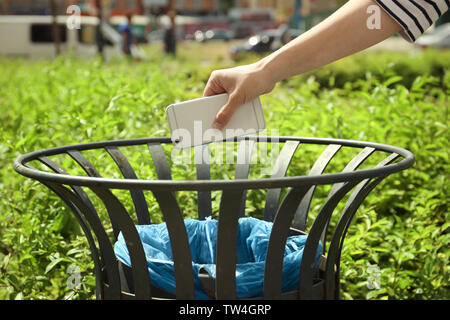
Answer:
(20, 165)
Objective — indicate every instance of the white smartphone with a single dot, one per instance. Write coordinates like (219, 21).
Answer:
(191, 121)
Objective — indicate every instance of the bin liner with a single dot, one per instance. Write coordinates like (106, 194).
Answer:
(252, 242)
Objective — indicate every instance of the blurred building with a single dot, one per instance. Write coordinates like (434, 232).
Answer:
(110, 7)
(300, 13)
(196, 7)
(312, 12)
(316, 6)
(121, 7)
(113, 7)
(30, 7)
(308, 6)
(42, 7)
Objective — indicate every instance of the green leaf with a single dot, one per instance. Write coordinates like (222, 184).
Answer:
(392, 80)
(375, 293)
(53, 264)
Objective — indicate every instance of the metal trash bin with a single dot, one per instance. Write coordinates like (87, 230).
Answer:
(114, 280)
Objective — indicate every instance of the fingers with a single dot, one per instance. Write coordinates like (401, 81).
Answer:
(220, 82)
(213, 85)
(212, 89)
(226, 112)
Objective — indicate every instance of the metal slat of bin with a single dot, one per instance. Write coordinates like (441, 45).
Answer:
(351, 166)
(309, 252)
(121, 221)
(281, 167)
(231, 208)
(80, 216)
(204, 205)
(110, 261)
(242, 170)
(184, 274)
(361, 191)
(226, 244)
(273, 271)
(319, 166)
(138, 197)
(138, 259)
(90, 169)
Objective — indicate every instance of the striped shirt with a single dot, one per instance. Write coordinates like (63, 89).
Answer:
(414, 16)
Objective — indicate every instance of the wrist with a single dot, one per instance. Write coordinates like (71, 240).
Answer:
(266, 70)
(271, 68)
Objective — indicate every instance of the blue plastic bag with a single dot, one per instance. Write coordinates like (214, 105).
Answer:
(253, 239)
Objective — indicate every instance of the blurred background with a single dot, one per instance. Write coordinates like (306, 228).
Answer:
(39, 28)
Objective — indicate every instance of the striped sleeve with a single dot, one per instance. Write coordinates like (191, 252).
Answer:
(414, 16)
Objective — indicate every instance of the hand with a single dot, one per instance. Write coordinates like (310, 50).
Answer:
(242, 84)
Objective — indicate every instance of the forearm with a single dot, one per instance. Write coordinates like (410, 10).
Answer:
(343, 33)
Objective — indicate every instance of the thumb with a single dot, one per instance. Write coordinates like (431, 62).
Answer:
(225, 113)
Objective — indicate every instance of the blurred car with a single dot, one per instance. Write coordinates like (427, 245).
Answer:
(242, 31)
(266, 41)
(439, 37)
(213, 34)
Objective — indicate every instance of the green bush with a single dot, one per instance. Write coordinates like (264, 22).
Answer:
(402, 228)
